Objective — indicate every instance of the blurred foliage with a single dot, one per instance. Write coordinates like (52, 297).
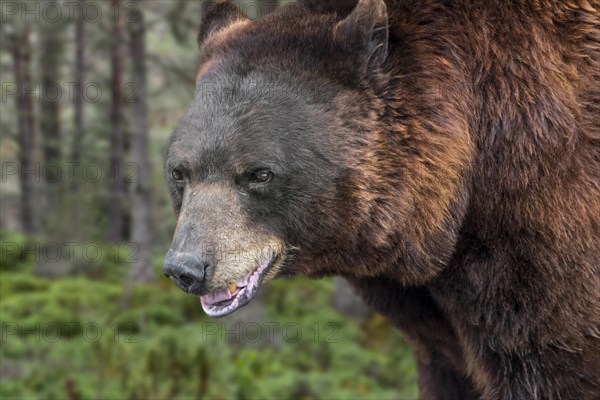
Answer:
(13, 251)
(93, 338)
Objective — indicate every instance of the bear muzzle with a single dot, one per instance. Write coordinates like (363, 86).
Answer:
(187, 271)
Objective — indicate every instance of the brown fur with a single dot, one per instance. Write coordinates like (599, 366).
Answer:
(516, 88)
(470, 205)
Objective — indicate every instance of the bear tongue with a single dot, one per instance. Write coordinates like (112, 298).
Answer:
(216, 296)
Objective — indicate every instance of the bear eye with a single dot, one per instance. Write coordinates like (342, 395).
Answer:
(177, 175)
(261, 176)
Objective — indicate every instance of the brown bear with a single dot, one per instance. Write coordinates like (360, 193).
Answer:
(443, 156)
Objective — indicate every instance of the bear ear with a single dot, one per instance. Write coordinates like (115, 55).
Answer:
(365, 30)
(218, 15)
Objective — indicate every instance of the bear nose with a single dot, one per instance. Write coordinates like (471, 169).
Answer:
(186, 270)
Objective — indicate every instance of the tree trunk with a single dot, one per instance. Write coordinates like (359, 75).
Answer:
(21, 49)
(78, 104)
(51, 49)
(117, 139)
(78, 129)
(141, 269)
(346, 302)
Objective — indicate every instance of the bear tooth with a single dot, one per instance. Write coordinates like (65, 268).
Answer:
(232, 288)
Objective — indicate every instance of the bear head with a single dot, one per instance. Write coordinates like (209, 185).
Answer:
(277, 167)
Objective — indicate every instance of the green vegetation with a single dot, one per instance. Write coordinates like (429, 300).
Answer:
(90, 338)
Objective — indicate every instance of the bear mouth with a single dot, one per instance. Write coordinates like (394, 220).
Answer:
(226, 300)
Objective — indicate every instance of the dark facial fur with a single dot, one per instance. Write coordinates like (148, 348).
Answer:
(444, 156)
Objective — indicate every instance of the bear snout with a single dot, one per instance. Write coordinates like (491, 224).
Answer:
(187, 271)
